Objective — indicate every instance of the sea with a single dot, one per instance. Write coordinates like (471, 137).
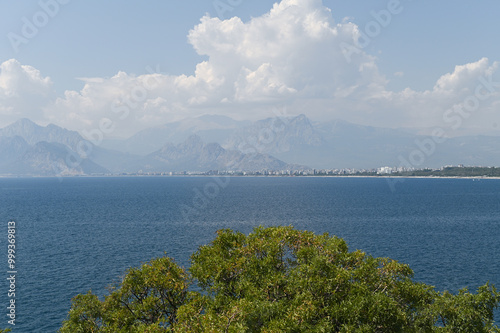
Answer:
(78, 234)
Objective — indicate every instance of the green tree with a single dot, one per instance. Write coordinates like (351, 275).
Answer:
(279, 279)
(146, 300)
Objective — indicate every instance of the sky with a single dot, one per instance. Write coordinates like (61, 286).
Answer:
(122, 66)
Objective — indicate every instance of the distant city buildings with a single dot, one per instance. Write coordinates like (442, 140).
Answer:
(381, 171)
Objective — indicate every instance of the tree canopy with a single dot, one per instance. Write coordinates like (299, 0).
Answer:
(280, 279)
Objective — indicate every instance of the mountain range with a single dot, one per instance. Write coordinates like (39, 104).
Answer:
(220, 143)
(29, 149)
(322, 145)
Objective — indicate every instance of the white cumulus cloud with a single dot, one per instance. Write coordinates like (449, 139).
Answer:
(293, 55)
(292, 52)
(23, 92)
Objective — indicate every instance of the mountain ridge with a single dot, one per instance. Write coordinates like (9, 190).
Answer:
(261, 144)
(199, 156)
(33, 150)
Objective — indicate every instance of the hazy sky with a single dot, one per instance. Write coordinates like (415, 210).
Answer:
(408, 63)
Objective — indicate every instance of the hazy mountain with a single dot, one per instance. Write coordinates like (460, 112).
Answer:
(356, 146)
(275, 135)
(367, 146)
(29, 149)
(114, 161)
(322, 145)
(11, 149)
(33, 133)
(194, 155)
(49, 159)
(468, 150)
(340, 144)
(210, 128)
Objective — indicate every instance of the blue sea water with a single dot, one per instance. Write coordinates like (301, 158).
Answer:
(81, 234)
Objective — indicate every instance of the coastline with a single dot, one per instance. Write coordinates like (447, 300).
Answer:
(252, 176)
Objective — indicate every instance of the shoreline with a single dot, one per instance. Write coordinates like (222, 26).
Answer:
(253, 176)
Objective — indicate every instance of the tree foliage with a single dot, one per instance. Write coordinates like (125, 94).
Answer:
(279, 279)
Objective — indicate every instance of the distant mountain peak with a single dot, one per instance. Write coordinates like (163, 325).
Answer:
(301, 117)
(275, 135)
(193, 141)
(194, 155)
(25, 121)
(194, 138)
(34, 133)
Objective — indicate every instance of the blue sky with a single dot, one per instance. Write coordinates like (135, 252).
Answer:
(422, 43)
(100, 38)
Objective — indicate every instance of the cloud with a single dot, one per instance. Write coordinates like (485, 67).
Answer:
(427, 108)
(23, 92)
(291, 56)
(290, 53)
(293, 50)
(464, 75)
